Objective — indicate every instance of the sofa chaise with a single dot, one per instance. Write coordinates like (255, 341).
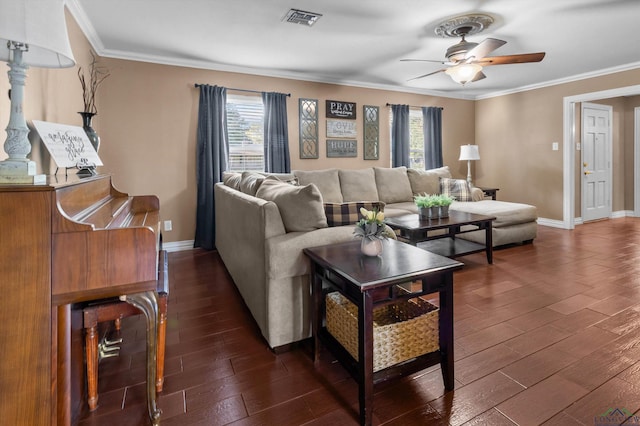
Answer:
(264, 222)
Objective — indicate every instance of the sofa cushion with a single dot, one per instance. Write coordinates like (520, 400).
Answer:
(327, 181)
(459, 189)
(339, 214)
(358, 185)
(232, 179)
(393, 184)
(427, 181)
(300, 206)
(506, 213)
(250, 182)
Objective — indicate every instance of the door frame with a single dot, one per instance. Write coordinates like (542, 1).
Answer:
(568, 144)
(609, 153)
(636, 162)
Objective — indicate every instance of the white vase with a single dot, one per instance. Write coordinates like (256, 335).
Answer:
(371, 247)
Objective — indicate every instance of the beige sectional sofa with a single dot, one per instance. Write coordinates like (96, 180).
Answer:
(263, 223)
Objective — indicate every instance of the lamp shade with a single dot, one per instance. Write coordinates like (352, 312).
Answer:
(464, 72)
(41, 25)
(469, 152)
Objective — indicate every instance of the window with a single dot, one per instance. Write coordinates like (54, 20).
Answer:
(245, 125)
(416, 138)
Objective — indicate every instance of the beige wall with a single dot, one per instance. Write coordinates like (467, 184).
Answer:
(148, 119)
(147, 116)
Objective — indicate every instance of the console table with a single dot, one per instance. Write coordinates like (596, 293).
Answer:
(370, 282)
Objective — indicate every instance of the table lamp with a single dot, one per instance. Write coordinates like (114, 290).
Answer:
(469, 153)
(32, 33)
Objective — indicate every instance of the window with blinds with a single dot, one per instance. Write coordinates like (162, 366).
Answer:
(245, 127)
(416, 138)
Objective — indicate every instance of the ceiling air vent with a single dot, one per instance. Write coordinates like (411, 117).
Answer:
(301, 17)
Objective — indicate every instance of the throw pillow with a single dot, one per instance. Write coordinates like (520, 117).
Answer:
(441, 171)
(393, 184)
(250, 182)
(459, 189)
(232, 179)
(327, 182)
(300, 206)
(358, 185)
(339, 214)
(423, 182)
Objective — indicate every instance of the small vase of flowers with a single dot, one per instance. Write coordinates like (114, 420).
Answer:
(373, 230)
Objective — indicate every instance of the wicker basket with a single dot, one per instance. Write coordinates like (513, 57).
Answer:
(401, 331)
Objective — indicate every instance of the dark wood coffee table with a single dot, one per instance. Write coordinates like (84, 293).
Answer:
(372, 282)
(422, 233)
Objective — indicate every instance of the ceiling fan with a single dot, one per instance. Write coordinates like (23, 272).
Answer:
(466, 59)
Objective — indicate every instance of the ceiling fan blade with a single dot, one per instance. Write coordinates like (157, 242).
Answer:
(484, 48)
(427, 75)
(422, 60)
(511, 59)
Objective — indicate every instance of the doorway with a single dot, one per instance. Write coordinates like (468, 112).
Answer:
(569, 144)
(596, 168)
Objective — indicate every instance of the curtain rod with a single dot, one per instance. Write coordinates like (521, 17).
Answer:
(240, 90)
(411, 106)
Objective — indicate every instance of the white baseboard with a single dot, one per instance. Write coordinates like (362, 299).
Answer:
(178, 245)
(622, 213)
(550, 222)
(578, 220)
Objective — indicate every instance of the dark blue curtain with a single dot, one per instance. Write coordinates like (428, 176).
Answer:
(400, 136)
(212, 159)
(276, 133)
(432, 128)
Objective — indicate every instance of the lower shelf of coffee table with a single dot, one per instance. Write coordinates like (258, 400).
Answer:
(451, 247)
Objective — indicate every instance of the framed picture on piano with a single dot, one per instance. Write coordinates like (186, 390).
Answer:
(69, 146)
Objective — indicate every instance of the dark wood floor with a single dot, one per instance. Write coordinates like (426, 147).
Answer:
(548, 334)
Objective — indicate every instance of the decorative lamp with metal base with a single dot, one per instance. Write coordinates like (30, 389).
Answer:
(469, 153)
(32, 33)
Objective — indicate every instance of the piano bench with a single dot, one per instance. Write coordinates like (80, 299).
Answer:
(115, 310)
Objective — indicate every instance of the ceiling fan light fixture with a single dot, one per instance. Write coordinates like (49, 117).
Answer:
(463, 73)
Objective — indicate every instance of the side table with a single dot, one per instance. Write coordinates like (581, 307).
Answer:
(490, 192)
(372, 282)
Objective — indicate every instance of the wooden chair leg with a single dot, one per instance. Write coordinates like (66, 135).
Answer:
(91, 349)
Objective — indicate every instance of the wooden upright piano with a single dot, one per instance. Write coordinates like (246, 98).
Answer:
(69, 241)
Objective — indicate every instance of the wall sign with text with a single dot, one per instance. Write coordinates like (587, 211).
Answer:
(341, 129)
(69, 146)
(339, 109)
(342, 148)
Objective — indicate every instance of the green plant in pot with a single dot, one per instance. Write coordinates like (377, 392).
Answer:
(443, 202)
(426, 204)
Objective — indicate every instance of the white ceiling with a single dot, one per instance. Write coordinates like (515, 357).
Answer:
(360, 43)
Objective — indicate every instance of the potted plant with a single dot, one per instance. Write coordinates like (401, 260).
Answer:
(444, 201)
(372, 229)
(426, 206)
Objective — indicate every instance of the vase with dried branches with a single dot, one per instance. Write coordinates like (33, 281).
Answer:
(96, 75)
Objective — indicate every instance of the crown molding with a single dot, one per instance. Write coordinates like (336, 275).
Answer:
(571, 79)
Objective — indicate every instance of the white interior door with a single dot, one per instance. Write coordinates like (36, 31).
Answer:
(596, 161)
